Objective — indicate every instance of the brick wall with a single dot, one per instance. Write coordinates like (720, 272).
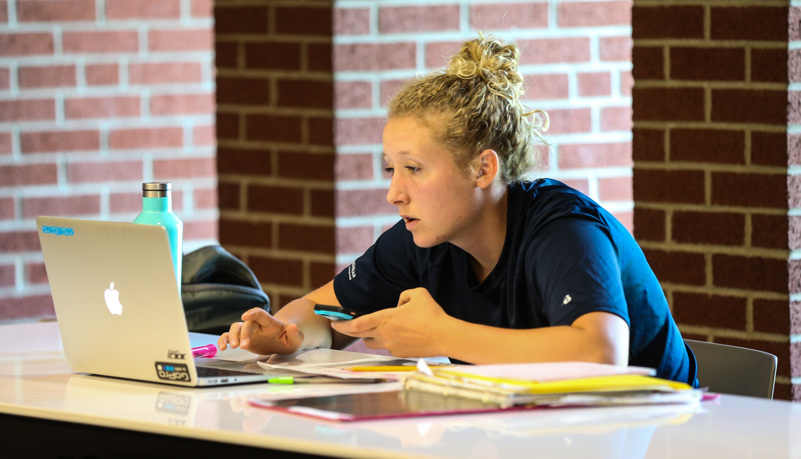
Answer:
(712, 187)
(96, 97)
(576, 57)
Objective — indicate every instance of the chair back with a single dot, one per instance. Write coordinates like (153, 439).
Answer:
(734, 370)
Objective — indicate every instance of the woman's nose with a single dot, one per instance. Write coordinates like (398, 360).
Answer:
(396, 196)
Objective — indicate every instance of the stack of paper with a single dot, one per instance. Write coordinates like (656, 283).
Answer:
(551, 384)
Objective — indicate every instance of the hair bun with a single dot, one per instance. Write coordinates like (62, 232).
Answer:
(493, 62)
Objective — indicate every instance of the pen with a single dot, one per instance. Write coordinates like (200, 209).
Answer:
(317, 380)
(208, 351)
(385, 368)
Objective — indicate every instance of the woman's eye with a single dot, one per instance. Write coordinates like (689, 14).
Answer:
(389, 170)
(412, 168)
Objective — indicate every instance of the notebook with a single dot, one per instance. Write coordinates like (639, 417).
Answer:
(118, 307)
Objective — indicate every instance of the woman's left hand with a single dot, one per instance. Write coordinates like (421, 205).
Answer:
(413, 329)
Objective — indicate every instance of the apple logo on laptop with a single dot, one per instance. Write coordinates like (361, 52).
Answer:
(112, 297)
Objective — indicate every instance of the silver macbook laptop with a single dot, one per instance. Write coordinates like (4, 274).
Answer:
(118, 307)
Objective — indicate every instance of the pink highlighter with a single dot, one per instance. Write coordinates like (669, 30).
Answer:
(208, 351)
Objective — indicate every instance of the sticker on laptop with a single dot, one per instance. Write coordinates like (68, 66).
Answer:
(58, 230)
(173, 372)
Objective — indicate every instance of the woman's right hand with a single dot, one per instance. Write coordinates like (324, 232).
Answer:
(261, 333)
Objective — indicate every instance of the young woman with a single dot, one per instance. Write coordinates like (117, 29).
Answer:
(485, 266)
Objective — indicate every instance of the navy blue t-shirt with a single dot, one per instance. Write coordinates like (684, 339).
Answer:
(564, 256)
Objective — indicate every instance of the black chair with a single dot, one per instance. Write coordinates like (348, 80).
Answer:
(734, 370)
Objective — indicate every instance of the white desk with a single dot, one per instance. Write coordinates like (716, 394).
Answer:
(36, 385)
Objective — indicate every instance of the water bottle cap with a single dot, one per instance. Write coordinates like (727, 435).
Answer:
(156, 189)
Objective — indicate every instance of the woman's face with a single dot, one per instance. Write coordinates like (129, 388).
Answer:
(435, 197)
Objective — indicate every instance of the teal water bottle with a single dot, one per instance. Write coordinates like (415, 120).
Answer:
(157, 210)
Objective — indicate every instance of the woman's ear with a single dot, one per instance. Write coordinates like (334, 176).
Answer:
(487, 166)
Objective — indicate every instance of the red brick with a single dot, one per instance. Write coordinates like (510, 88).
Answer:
(415, 19)
(232, 160)
(750, 273)
(3, 11)
(770, 65)
(594, 155)
(570, 121)
(313, 20)
(8, 208)
(616, 119)
(181, 104)
(243, 91)
(438, 53)
(164, 73)
(615, 49)
(794, 107)
(648, 144)
(354, 239)
(306, 166)
(358, 131)
(354, 167)
(19, 242)
(555, 50)
(240, 20)
(245, 233)
(594, 14)
(547, 86)
(274, 128)
(770, 148)
(26, 44)
(53, 76)
(167, 137)
(273, 56)
(302, 93)
(794, 233)
(204, 135)
(61, 11)
(320, 273)
(794, 22)
(27, 110)
(5, 79)
(749, 189)
(61, 205)
(228, 125)
(102, 74)
(143, 9)
(594, 84)
(673, 21)
(794, 196)
(772, 316)
(321, 130)
(125, 203)
(749, 23)
(374, 56)
(29, 174)
(319, 57)
(626, 83)
(18, 308)
(649, 224)
(506, 16)
(357, 203)
(205, 198)
(306, 238)
(716, 228)
(102, 107)
(388, 89)
(677, 267)
(104, 171)
(201, 230)
(59, 141)
(351, 21)
(353, 94)
(123, 41)
(8, 276)
(704, 310)
(6, 143)
(195, 167)
(181, 40)
(676, 186)
(229, 196)
(707, 64)
(668, 104)
(275, 199)
(615, 189)
(749, 106)
(648, 62)
(280, 271)
(202, 9)
(708, 146)
(322, 203)
(226, 55)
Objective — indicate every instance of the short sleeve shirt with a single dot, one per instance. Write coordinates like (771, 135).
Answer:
(564, 256)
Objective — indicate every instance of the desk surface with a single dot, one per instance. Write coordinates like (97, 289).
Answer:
(35, 382)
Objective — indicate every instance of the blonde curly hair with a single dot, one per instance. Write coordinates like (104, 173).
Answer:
(478, 96)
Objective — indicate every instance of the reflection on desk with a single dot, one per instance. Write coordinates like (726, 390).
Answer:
(36, 384)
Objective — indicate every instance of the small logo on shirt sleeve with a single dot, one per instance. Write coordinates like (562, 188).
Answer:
(567, 299)
(352, 271)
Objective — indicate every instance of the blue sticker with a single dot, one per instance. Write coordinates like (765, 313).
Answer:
(58, 230)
